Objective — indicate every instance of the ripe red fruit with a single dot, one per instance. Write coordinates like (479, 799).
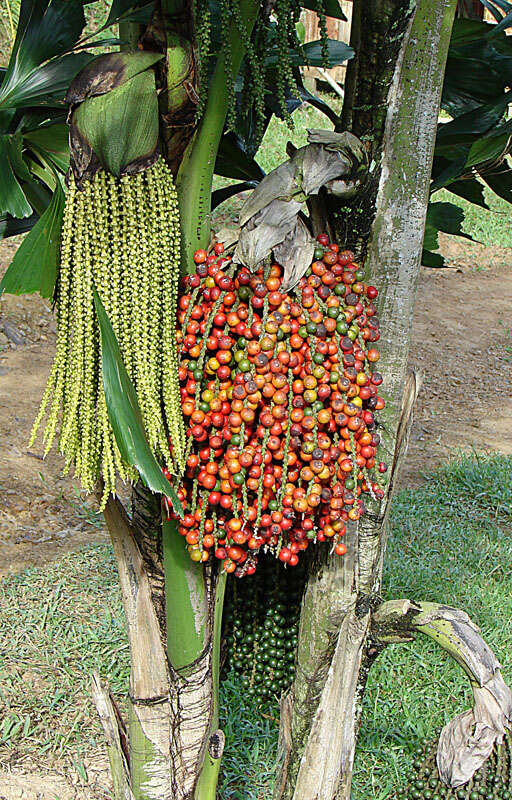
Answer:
(200, 256)
(279, 392)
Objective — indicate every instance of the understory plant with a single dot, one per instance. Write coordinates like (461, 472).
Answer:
(232, 379)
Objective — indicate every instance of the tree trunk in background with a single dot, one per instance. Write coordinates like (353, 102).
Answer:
(393, 95)
(470, 9)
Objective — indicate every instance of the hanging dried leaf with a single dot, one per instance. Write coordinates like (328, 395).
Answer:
(345, 189)
(345, 142)
(351, 152)
(319, 166)
(269, 218)
(265, 230)
(228, 235)
(282, 183)
(295, 254)
(467, 741)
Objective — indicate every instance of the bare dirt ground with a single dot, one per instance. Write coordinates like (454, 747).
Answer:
(32, 782)
(462, 343)
(38, 515)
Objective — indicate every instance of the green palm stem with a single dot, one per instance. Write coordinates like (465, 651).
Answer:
(185, 600)
(195, 176)
(206, 788)
(189, 625)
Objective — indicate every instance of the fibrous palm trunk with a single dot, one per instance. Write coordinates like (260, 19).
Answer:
(393, 96)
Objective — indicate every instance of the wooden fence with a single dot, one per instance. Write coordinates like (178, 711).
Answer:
(340, 29)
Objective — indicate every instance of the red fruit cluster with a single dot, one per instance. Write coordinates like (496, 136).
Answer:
(279, 391)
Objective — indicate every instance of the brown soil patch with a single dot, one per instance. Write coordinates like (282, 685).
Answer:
(38, 510)
(462, 343)
(31, 781)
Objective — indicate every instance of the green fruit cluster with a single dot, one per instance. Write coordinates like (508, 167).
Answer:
(261, 623)
(278, 33)
(120, 236)
(493, 781)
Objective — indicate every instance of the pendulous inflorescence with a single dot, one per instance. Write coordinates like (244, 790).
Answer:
(120, 236)
(280, 391)
(275, 32)
(261, 624)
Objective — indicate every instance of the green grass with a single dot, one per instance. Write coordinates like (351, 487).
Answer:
(488, 226)
(449, 542)
(56, 626)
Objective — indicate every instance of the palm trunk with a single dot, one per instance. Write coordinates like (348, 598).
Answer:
(335, 650)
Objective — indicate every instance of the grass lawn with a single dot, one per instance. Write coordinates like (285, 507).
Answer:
(449, 542)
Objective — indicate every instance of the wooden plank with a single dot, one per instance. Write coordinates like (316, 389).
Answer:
(336, 29)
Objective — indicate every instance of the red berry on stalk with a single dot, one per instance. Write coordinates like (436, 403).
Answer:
(200, 256)
(276, 390)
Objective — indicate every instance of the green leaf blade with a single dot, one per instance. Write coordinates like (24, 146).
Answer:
(221, 195)
(332, 8)
(234, 162)
(312, 54)
(124, 412)
(12, 197)
(35, 265)
(45, 31)
(446, 217)
(52, 142)
(129, 11)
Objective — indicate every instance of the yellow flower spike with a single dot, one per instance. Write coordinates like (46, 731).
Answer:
(121, 236)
